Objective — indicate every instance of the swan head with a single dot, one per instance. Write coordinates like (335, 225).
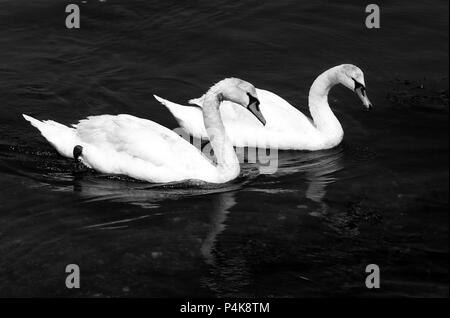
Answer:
(240, 92)
(352, 77)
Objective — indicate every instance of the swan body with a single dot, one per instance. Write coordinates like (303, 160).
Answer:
(286, 126)
(142, 149)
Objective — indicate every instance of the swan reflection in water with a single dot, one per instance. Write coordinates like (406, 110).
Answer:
(320, 176)
(317, 170)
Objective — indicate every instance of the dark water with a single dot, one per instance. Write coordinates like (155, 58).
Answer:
(307, 230)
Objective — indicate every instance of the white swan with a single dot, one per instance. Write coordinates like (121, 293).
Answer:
(145, 150)
(287, 127)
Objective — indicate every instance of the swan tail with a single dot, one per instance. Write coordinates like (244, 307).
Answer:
(61, 137)
(175, 109)
(188, 117)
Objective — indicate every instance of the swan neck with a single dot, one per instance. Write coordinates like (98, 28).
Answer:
(324, 119)
(227, 161)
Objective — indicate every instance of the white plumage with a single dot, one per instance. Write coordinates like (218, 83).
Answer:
(145, 150)
(286, 127)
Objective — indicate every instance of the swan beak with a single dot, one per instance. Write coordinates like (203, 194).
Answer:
(361, 92)
(253, 107)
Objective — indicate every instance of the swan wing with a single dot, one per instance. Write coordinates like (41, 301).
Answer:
(139, 148)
